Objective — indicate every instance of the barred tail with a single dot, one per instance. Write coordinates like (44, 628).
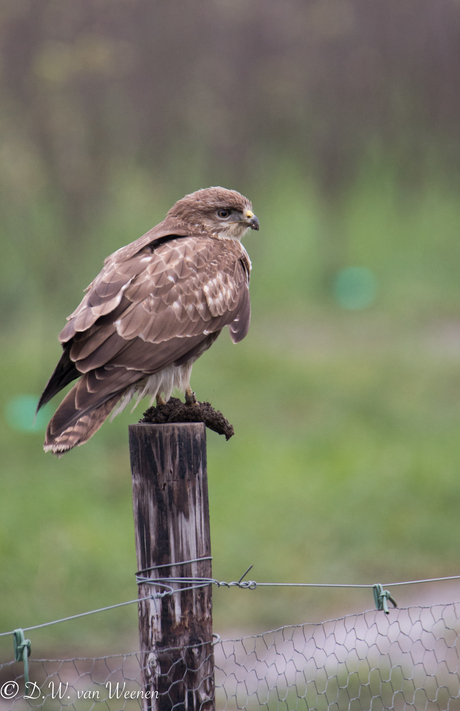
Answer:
(71, 425)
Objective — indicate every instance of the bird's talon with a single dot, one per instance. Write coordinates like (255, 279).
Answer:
(190, 398)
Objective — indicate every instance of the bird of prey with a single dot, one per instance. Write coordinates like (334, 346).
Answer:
(157, 305)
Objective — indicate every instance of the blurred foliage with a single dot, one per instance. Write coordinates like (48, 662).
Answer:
(340, 120)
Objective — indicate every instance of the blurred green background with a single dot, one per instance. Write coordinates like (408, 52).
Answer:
(340, 120)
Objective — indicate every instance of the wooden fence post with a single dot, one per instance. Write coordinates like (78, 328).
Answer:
(171, 517)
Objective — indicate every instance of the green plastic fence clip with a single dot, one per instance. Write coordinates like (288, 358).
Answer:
(22, 648)
(380, 598)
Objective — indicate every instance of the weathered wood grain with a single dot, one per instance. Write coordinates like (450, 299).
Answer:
(171, 516)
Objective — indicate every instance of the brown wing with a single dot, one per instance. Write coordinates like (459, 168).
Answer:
(151, 308)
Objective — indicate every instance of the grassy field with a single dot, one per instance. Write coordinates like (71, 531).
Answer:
(344, 466)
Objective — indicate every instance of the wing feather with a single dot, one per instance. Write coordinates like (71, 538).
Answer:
(170, 296)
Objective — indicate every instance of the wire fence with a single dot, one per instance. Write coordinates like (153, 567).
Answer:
(408, 659)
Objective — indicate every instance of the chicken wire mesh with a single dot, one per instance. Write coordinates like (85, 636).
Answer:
(408, 659)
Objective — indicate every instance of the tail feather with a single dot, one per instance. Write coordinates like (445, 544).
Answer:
(71, 426)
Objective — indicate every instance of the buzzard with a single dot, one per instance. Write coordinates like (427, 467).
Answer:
(157, 305)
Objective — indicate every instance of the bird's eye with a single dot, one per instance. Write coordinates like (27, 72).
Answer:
(223, 214)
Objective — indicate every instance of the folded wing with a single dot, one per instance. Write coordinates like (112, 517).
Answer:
(148, 309)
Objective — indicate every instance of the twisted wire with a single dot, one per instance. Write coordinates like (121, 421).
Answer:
(192, 583)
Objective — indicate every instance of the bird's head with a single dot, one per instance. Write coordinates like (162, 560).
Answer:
(225, 213)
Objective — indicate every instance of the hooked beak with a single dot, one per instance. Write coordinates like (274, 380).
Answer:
(251, 220)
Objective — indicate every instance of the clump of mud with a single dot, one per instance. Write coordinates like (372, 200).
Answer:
(177, 411)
